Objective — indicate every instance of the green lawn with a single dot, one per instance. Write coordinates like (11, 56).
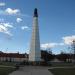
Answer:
(7, 63)
(6, 70)
(63, 71)
(62, 64)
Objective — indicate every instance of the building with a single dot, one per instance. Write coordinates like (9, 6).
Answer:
(35, 53)
(13, 57)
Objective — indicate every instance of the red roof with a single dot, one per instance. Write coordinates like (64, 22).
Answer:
(14, 55)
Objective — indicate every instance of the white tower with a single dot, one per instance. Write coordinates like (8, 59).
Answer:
(35, 53)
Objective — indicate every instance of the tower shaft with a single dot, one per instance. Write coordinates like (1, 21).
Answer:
(35, 53)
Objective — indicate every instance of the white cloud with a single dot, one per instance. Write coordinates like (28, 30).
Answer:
(51, 45)
(2, 4)
(4, 28)
(8, 25)
(25, 28)
(48, 45)
(12, 11)
(68, 39)
(18, 20)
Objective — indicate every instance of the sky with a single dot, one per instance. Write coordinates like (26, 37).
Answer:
(56, 24)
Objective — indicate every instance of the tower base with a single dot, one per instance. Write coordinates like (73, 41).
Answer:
(35, 63)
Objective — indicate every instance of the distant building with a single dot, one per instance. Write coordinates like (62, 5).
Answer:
(13, 57)
(55, 60)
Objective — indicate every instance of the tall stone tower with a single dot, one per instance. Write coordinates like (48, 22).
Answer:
(35, 53)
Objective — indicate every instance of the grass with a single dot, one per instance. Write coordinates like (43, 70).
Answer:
(62, 64)
(63, 71)
(7, 63)
(6, 70)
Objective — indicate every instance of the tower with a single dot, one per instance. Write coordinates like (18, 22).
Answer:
(35, 53)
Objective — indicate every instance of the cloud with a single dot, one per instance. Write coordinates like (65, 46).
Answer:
(51, 45)
(48, 45)
(18, 20)
(12, 11)
(68, 39)
(16, 12)
(2, 4)
(25, 28)
(8, 25)
(4, 28)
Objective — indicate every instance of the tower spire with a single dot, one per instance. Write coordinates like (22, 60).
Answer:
(35, 12)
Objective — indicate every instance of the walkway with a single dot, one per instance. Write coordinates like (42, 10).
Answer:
(32, 70)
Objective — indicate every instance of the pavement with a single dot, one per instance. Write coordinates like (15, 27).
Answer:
(32, 70)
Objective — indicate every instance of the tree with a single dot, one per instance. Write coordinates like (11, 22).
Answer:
(46, 56)
(73, 50)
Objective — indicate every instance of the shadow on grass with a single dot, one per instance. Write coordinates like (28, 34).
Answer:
(63, 71)
(6, 70)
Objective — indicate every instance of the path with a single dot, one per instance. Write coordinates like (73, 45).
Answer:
(32, 70)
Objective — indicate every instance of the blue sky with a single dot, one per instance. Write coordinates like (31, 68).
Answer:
(56, 24)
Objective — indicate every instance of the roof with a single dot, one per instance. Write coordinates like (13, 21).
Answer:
(14, 55)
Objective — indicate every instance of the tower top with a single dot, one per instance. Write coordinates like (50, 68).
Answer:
(35, 12)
